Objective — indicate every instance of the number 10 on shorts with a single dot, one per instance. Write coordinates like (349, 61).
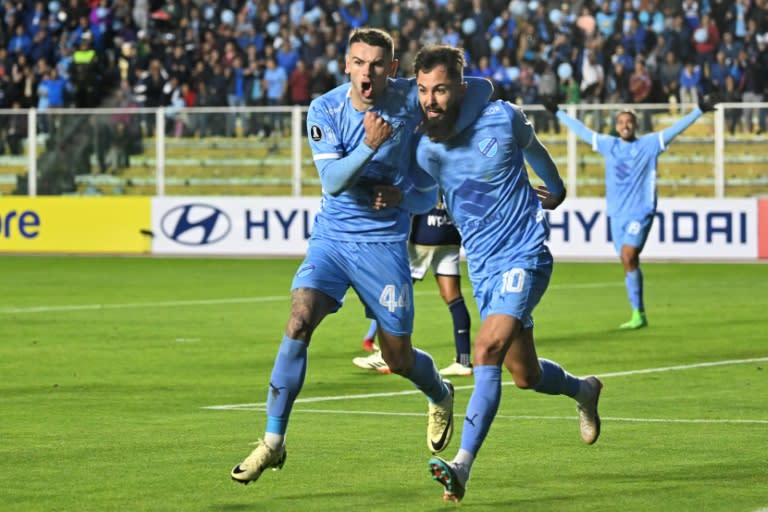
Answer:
(513, 281)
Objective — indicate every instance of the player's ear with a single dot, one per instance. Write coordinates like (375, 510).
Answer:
(393, 67)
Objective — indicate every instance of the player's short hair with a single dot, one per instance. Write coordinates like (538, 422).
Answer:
(629, 111)
(430, 57)
(373, 37)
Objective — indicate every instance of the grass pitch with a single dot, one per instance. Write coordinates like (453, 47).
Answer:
(135, 384)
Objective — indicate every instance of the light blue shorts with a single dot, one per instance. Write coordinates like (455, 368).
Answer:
(630, 231)
(378, 272)
(514, 290)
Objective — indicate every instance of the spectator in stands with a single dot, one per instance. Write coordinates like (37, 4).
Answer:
(354, 13)
(548, 90)
(586, 23)
(640, 87)
(606, 20)
(668, 76)
(237, 78)
(678, 37)
(20, 43)
(322, 80)
(751, 86)
(730, 47)
(592, 83)
(690, 80)
(717, 73)
(407, 57)
(706, 39)
(276, 82)
(287, 56)
(299, 83)
(151, 87)
(86, 73)
(617, 84)
(16, 131)
(731, 94)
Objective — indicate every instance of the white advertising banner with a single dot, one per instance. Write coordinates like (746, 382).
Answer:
(269, 226)
(684, 229)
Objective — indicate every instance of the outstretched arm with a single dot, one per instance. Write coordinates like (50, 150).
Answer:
(575, 125)
(578, 128)
(668, 134)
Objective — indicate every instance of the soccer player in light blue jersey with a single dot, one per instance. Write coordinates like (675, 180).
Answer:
(434, 242)
(482, 173)
(630, 188)
(361, 134)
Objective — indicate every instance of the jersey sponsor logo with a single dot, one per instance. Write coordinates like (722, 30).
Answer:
(476, 197)
(315, 132)
(195, 224)
(488, 146)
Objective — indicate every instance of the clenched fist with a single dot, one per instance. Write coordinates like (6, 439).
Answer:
(377, 130)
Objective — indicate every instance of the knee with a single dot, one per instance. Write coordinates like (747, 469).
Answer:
(299, 326)
(489, 351)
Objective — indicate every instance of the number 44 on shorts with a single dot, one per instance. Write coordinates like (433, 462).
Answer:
(391, 299)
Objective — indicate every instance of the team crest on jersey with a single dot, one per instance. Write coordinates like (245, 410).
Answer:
(305, 270)
(315, 132)
(488, 146)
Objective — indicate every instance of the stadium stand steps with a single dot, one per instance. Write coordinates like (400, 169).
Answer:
(258, 167)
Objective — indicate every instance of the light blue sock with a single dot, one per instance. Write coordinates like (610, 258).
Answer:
(371, 334)
(634, 283)
(285, 383)
(481, 408)
(556, 381)
(425, 377)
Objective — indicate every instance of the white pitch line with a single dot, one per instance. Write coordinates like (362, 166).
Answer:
(693, 421)
(262, 405)
(11, 310)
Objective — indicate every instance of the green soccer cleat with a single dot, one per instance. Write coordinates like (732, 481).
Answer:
(637, 321)
(446, 474)
(261, 458)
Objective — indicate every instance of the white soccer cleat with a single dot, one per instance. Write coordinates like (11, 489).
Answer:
(440, 426)
(261, 458)
(372, 362)
(589, 419)
(456, 369)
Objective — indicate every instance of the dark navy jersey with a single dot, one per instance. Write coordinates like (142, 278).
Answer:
(434, 228)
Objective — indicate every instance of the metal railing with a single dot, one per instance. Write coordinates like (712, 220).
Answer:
(263, 151)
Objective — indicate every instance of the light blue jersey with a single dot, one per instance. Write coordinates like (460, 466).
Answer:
(336, 131)
(630, 166)
(483, 177)
(347, 228)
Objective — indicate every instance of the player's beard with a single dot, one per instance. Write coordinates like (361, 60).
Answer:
(440, 127)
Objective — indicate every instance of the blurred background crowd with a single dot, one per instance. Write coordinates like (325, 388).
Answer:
(177, 53)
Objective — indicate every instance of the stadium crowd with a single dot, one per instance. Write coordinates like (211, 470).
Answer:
(177, 53)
